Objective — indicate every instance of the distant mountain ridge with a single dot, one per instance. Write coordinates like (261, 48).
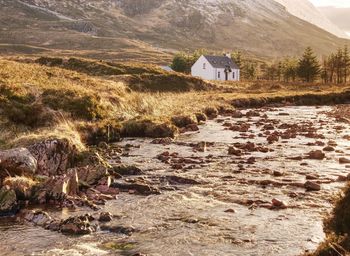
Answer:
(141, 27)
(305, 10)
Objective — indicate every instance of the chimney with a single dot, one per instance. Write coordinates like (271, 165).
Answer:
(228, 55)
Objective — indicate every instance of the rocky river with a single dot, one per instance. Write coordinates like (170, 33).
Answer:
(252, 182)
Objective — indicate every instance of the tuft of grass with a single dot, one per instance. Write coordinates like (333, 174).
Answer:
(83, 106)
(21, 185)
(337, 227)
(182, 121)
(147, 128)
(99, 68)
(168, 82)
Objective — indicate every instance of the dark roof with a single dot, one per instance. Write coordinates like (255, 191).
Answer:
(221, 62)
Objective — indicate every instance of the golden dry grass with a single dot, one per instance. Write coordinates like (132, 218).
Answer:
(118, 102)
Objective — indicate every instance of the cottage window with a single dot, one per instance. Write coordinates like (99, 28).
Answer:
(219, 74)
(204, 65)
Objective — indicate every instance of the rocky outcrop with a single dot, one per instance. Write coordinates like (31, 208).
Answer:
(17, 162)
(53, 156)
(91, 175)
(8, 201)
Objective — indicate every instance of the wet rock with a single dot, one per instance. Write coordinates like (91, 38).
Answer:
(127, 170)
(237, 114)
(39, 218)
(18, 162)
(252, 113)
(230, 211)
(278, 174)
(268, 127)
(77, 225)
(276, 203)
(142, 189)
(201, 146)
(211, 112)
(344, 160)
(201, 117)
(173, 180)
(312, 177)
(272, 138)
(163, 141)
(105, 217)
(118, 229)
(332, 143)
(312, 186)
(316, 155)
(8, 202)
(91, 175)
(343, 178)
(192, 128)
(328, 149)
(182, 121)
(251, 160)
(103, 145)
(234, 151)
(53, 157)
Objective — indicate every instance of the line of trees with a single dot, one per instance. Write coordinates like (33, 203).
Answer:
(334, 68)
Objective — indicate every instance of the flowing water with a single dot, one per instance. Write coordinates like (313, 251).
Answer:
(227, 212)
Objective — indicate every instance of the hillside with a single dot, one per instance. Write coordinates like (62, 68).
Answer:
(305, 10)
(151, 30)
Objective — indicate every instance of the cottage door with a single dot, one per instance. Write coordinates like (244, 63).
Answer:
(226, 75)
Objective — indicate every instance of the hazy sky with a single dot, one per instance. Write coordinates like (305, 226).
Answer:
(336, 3)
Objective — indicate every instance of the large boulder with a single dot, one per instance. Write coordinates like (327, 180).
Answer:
(53, 156)
(91, 175)
(59, 187)
(8, 201)
(17, 162)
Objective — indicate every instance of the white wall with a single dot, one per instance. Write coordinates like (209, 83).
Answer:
(197, 69)
(210, 73)
(230, 75)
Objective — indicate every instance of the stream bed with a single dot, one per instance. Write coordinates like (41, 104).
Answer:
(250, 201)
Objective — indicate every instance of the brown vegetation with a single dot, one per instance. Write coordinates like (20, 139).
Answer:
(60, 99)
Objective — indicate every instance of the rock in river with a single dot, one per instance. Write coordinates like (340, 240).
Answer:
(79, 225)
(316, 154)
(142, 189)
(312, 186)
(344, 160)
(105, 217)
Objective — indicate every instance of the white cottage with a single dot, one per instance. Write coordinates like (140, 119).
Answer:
(221, 68)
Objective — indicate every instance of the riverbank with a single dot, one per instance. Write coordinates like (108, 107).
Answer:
(241, 179)
(67, 123)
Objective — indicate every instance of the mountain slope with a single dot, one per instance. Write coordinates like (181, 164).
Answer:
(305, 10)
(138, 28)
(339, 16)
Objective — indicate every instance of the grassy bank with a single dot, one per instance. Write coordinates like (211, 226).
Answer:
(337, 227)
(89, 101)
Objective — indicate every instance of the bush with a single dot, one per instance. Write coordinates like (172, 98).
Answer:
(211, 112)
(21, 108)
(32, 115)
(81, 106)
(170, 82)
(147, 128)
(104, 131)
(182, 121)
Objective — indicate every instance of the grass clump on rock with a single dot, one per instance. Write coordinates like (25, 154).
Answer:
(337, 228)
(82, 106)
(147, 128)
